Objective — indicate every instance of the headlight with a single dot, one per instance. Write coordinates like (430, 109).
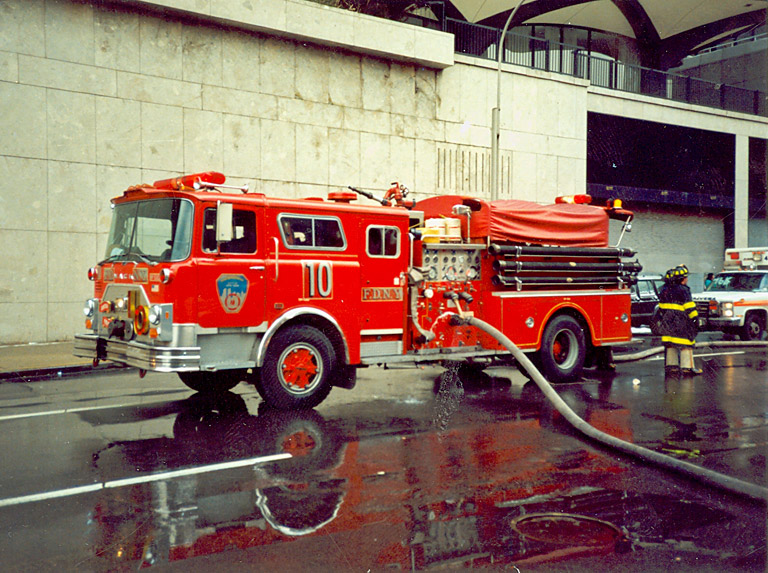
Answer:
(90, 308)
(155, 314)
(726, 309)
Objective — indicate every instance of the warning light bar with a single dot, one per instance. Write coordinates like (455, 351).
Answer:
(189, 181)
(571, 199)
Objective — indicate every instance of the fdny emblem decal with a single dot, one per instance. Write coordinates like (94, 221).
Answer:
(232, 291)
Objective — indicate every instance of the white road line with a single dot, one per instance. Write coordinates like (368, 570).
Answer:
(68, 492)
(63, 411)
(661, 356)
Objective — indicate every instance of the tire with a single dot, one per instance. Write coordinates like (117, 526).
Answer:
(656, 322)
(303, 434)
(297, 368)
(563, 350)
(212, 382)
(753, 328)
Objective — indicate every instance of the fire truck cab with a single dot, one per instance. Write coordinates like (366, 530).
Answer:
(222, 285)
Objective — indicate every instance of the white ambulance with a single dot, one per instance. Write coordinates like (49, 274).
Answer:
(736, 302)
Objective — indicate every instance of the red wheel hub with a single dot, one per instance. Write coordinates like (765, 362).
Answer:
(299, 367)
(299, 444)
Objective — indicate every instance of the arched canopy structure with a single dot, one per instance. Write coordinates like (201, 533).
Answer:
(665, 31)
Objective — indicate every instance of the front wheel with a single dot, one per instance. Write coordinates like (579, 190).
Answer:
(297, 368)
(753, 328)
(563, 350)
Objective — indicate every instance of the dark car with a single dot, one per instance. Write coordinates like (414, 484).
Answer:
(645, 301)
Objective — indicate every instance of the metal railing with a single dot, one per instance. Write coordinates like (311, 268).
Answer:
(482, 41)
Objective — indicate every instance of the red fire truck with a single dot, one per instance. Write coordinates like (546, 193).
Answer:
(222, 286)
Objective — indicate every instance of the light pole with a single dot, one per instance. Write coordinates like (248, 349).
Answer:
(496, 112)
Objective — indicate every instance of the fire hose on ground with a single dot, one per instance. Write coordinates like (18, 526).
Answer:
(710, 344)
(724, 482)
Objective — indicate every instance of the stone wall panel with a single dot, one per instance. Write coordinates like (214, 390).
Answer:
(278, 151)
(23, 121)
(201, 49)
(241, 55)
(71, 126)
(312, 73)
(228, 100)
(344, 84)
(241, 144)
(70, 255)
(118, 132)
(23, 274)
(277, 67)
(160, 48)
(203, 141)
(21, 323)
(162, 91)
(116, 41)
(61, 18)
(71, 197)
(162, 137)
(344, 157)
(24, 203)
(312, 154)
(22, 24)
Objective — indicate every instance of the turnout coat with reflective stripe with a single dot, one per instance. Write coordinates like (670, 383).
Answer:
(679, 323)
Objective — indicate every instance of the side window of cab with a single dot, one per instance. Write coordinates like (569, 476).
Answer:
(243, 232)
(383, 241)
(311, 232)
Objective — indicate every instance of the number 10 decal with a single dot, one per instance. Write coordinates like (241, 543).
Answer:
(318, 278)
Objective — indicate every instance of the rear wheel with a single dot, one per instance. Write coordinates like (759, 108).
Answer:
(297, 368)
(563, 350)
(219, 381)
(753, 328)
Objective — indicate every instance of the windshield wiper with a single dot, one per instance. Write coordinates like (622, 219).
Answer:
(142, 257)
(110, 258)
(129, 255)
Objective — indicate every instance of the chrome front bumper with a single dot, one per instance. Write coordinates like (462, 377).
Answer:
(138, 354)
(720, 323)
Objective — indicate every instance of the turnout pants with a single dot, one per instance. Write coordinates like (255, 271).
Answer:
(679, 357)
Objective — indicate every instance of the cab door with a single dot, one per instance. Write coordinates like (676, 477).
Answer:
(382, 289)
(231, 274)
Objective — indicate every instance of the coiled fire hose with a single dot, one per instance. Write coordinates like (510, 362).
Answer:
(727, 483)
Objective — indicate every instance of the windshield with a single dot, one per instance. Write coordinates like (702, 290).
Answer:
(151, 231)
(736, 282)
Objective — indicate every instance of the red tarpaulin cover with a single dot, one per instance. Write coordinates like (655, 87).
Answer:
(517, 221)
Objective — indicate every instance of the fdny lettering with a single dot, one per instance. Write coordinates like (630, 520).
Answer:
(375, 293)
(318, 279)
(232, 291)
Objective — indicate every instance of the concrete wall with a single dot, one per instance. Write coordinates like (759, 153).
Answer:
(292, 97)
(665, 239)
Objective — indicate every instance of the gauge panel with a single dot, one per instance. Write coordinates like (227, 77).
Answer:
(452, 262)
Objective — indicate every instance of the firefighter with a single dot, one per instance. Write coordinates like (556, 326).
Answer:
(679, 322)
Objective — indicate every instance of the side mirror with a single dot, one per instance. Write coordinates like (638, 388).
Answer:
(224, 222)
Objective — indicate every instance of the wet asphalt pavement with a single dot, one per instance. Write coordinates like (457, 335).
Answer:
(414, 469)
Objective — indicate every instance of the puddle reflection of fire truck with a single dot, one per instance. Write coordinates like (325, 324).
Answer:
(404, 495)
(295, 295)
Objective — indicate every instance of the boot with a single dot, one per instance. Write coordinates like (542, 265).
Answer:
(671, 361)
(687, 367)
